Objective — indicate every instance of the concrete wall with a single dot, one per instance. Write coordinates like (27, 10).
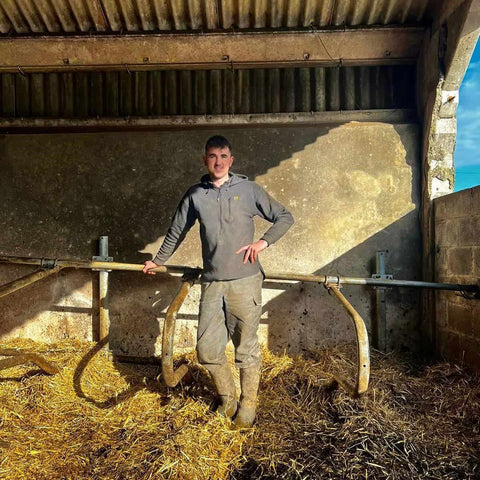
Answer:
(457, 240)
(447, 47)
(353, 189)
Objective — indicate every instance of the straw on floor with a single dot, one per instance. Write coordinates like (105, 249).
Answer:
(101, 419)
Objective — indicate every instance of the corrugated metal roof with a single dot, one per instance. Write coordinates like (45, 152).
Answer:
(202, 92)
(68, 16)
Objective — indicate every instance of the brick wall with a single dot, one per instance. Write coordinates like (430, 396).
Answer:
(457, 260)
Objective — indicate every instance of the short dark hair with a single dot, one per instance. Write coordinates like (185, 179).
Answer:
(217, 141)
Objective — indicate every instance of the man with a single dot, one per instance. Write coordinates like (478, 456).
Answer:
(230, 306)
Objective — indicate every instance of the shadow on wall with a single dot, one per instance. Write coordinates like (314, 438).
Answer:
(353, 189)
(305, 317)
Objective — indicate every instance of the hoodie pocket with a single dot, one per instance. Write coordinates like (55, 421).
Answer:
(233, 208)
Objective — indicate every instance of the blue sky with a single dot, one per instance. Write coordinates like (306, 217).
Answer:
(467, 155)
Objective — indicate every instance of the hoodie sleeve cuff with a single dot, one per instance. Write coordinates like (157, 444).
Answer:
(159, 260)
(270, 239)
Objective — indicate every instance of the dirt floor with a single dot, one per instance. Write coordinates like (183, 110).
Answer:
(100, 419)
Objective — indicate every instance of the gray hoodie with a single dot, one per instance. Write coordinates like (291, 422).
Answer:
(226, 224)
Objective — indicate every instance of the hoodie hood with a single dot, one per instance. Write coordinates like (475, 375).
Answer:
(234, 179)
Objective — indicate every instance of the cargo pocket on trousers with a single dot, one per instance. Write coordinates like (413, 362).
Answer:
(257, 300)
(204, 287)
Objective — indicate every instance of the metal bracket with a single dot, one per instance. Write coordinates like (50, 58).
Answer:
(379, 275)
(381, 268)
(48, 263)
(332, 280)
(471, 295)
(100, 258)
(330, 285)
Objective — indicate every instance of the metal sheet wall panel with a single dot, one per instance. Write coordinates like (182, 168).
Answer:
(154, 93)
(43, 16)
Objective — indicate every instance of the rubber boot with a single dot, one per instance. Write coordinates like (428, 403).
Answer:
(225, 386)
(249, 381)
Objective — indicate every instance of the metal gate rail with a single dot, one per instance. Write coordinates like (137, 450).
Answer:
(363, 350)
(295, 277)
(172, 377)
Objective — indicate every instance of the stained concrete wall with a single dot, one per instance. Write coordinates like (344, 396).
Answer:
(353, 189)
(457, 260)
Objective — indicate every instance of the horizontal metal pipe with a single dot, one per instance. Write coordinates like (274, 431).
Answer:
(374, 282)
(312, 278)
(94, 265)
(20, 260)
(22, 282)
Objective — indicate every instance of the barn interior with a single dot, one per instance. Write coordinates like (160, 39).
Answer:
(345, 112)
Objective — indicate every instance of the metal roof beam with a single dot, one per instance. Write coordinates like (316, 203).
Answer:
(349, 46)
(22, 125)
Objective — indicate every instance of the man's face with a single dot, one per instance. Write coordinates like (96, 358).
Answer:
(218, 162)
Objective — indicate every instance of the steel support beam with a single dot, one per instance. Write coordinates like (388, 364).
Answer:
(104, 313)
(381, 310)
(26, 125)
(345, 46)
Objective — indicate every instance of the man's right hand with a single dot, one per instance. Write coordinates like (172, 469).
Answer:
(148, 266)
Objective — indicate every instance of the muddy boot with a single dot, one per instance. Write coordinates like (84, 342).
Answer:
(225, 386)
(249, 381)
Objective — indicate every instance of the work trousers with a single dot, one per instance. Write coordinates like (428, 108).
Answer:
(230, 309)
